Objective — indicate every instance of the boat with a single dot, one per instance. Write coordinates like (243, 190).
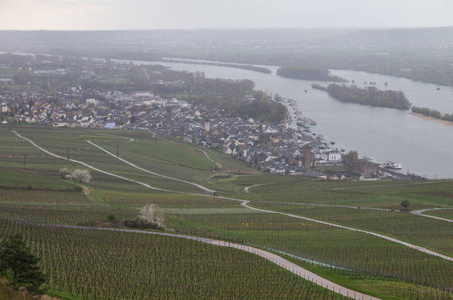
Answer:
(321, 138)
(303, 124)
(392, 165)
(368, 158)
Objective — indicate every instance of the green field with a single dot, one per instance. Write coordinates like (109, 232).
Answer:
(117, 265)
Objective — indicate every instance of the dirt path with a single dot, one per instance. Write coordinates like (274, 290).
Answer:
(247, 189)
(216, 163)
(86, 190)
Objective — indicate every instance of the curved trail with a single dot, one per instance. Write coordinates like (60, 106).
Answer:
(420, 213)
(247, 189)
(329, 205)
(147, 171)
(274, 258)
(381, 186)
(216, 163)
(91, 167)
(419, 248)
(86, 190)
(245, 203)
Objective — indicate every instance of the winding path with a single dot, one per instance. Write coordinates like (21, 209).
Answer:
(419, 248)
(247, 189)
(274, 258)
(420, 213)
(153, 173)
(329, 205)
(207, 156)
(245, 203)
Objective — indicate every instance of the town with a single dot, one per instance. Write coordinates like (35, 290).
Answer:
(56, 91)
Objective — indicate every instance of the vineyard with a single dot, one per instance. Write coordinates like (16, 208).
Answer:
(91, 264)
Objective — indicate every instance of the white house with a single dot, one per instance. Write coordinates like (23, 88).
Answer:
(334, 156)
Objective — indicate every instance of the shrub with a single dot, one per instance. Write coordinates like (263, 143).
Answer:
(64, 172)
(111, 217)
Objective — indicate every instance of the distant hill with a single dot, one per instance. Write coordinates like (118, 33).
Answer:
(420, 36)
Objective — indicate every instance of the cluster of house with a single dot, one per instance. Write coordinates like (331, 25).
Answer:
(276, 148)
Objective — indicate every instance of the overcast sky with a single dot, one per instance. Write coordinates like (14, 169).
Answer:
(188, 14)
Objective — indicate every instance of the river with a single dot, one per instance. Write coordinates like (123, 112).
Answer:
(421, 146)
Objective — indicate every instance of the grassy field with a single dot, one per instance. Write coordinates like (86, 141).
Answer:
(447, 213)
(35, 193)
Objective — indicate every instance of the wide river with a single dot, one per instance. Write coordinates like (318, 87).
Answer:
(423, 147)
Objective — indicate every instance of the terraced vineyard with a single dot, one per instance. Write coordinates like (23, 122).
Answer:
(118, 265)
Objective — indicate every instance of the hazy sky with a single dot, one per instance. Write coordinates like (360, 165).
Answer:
(187, 14)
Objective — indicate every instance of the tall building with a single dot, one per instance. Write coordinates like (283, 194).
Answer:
(307, 160)
(207, 126)
(4, 108)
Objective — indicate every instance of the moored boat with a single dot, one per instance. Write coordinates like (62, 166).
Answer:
(392, 165)
(368, 158)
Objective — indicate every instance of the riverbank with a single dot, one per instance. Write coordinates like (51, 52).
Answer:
(432, 119)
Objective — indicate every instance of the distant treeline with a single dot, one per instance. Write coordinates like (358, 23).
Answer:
(308, 73)
(106, 53)
(245, 67)
(318, 87)
(432, 113)
(368, 96)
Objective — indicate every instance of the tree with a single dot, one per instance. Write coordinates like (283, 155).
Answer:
(64, 172)
(150, 217)
(404, 205)
(20, 266)
(348, 159)
(82, 176)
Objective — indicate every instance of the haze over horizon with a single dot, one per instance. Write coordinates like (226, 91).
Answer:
(196, 14)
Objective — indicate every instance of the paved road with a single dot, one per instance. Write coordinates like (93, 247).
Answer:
(245, 203)
(329, 205)
(421, 249)
(153, 173)
(276, 259)
(420, 213)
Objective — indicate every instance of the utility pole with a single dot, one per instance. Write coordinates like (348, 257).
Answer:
(155, 139)
(67, 152)
(23, 155)
(117, 148)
